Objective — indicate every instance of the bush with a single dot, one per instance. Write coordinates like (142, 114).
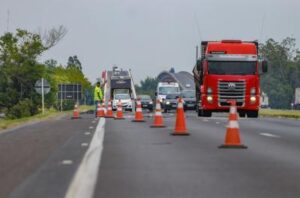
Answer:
(23, 108)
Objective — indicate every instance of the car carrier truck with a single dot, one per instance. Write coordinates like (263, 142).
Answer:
(228, 70)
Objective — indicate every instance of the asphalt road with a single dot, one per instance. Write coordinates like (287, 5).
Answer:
(40, 160)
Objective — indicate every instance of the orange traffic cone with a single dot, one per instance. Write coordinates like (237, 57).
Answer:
(232, 138)
(100, 111)
(76, 112)
(158, 121)
(109, 113)
(138, 113)
(180, 126)
(104, 108)
(119, 114)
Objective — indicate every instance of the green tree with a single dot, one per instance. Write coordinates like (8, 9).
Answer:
(148, 86)
(19, 68)
(73, 62)
(284, 71)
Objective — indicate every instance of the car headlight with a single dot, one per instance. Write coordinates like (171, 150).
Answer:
(209, 99)
(252, 99)
(150, 102)
(167, 102)
(253, 91)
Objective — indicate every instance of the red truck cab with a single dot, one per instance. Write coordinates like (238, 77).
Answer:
(228, 69)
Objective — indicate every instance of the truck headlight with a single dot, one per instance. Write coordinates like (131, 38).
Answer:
(167, 102)
(209, 99)
(253, 91)
(209, 90)
(150, 102)
(252, 99)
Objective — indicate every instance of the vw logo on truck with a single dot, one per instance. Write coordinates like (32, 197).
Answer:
(231, 86)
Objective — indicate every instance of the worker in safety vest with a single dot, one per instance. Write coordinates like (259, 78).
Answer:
(98, 94)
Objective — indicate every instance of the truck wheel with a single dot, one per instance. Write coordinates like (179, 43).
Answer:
(206, 113)
(242, 114)
(252, 114)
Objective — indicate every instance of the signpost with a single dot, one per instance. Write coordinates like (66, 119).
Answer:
(42, 87)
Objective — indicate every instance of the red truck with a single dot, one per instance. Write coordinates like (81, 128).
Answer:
(226, 70)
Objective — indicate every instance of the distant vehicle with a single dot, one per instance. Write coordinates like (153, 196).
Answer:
(264, 100)
(147, 102)
(297, 99)
(165, 88)
(171, 101)
(125, 100)
(189, 99)
(228, 70)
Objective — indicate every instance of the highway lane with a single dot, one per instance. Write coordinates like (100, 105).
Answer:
(39, 160)
(139, 161)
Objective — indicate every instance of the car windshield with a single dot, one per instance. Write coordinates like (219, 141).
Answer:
(122, 97)
(188, 94)
(167, 90)
(144, 97)
(172, 96)
(232, 67)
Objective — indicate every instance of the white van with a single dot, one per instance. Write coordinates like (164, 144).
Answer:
(165, 88)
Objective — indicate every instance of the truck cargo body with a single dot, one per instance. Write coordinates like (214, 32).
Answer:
(228, 70)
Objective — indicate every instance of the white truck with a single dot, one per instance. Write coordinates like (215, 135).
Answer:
(165, 88)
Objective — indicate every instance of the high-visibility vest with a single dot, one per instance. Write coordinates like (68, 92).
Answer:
(98, 94)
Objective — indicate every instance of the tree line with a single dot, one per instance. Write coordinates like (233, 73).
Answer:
(20, 68)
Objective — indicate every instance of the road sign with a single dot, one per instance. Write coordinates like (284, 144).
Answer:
(70, 91)
(40, 84)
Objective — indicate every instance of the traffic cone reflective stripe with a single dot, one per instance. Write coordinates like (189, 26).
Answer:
(232, 137)
(158, 121)
(138, 113)
(180, 125)
(100, 110)
(109, 113)
(76, 112)
(119, 114)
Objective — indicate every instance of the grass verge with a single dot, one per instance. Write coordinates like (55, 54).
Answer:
(280, 113)
(49, 114)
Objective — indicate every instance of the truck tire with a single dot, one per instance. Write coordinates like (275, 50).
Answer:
(252, 114)
(199, 112)
(242, 114)
(206, 113)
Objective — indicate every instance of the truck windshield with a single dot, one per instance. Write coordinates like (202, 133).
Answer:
(167, 90)
(232, 67)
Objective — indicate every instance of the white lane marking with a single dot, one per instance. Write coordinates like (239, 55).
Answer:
(67, 162)
(84, 144)
(91, 127)
(87, 133)
(217, 122)
(94, 121)
(205, 120)
(269, 135)
(84, 181)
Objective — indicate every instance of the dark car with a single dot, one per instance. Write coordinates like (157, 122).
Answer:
(147, 102)
(170, 102)
(189, 99)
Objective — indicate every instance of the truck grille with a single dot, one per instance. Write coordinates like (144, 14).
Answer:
(229, 90)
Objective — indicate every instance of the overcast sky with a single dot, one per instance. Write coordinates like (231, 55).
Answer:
(148, 36)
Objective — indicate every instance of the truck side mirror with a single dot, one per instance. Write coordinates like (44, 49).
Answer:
(264, 66)
(155, 93)
(199, 65)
